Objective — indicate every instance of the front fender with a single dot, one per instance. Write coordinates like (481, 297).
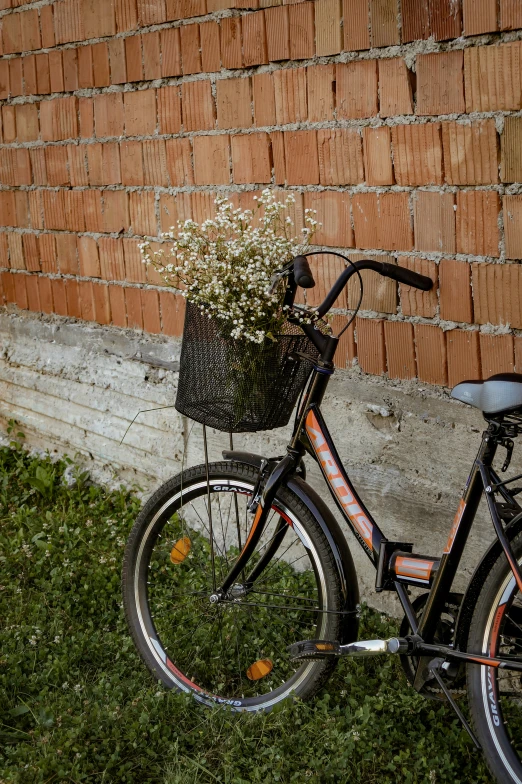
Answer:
(333, 534)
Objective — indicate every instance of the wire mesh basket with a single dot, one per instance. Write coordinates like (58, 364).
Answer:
(239, 386)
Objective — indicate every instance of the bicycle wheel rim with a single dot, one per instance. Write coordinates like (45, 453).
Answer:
(168, 661)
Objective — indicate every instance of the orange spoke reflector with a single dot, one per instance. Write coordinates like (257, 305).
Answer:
(180, 550)
(324, 646)
(259, 669)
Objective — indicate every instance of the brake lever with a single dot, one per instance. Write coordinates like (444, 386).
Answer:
(276, 279)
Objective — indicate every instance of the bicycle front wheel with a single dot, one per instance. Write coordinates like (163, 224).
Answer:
(233, 651)
(495, 695)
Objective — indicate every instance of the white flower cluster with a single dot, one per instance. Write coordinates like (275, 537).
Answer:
(225, 265)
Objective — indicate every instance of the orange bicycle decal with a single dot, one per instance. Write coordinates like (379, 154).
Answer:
(413, 568)
(455, 526)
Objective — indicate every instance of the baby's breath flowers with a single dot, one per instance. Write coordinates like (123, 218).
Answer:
(225, 265)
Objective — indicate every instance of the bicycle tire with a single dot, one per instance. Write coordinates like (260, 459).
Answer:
(162, 509)
(494, 694)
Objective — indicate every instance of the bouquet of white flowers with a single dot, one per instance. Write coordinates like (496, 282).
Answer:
(224, 265)
(239, 370)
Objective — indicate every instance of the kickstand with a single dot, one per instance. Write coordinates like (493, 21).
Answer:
(434, 667)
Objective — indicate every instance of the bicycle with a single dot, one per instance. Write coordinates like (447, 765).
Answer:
(239, 586)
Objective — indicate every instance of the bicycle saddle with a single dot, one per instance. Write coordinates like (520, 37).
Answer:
(500, 393)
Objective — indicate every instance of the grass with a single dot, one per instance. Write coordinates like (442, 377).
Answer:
(77, 705)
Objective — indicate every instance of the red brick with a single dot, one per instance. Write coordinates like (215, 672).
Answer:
(302, 162)
(210, 47)
(58, 119)
(480, 16)
(112, 263)
(230, 42)
(400, 351)
(463, 356)
(151, 55)
(134, 266)
(92, 208)
(54, 211)
(86, 299)
(29, 75)
(326, 270)
(108, 170)
(8, 286)
(395, 90)
(7, 208)
(382, 221)
(251, 158)
(22, 209)
(117, 61)
(47, 26)
(169, 109)
(445, 19)
(496, 354)
(77, 164)
(4, 79)
(16, 251)
(356, 89)
(4, 260)
(117, 302)
(198, 105)
(126, 15)
(38, 167)
(43, 80)
(21, 167)
(333, 213)
(417, 154)
(264, 99)
(277, 33)
(434, 219)
(511, 156)
(328, 35)
(31, 252)
(184, 9)
(321, 93)
(384, 15)
(497, 294)
(151, 12)
(415, 302)
(211, 160)
(179, 162)
(133, 58)
(512, 206)
(9, 123)
(86, 111)
(12, 33)
(140, 112)
(47, 247)
(477, 222)
(371, 351)
(20, 291)
(100, 65)
(470, 152)
(45, 294)
(85, 67)
(278, 155)
(440, 83)
(133, 306)
(74, 214)
(172, 209)
(155, 163)
(254, 39)
(15, 76)
(340, 157)
(172, 313)
(56, 72)
(150, 311)
(66, 253)
(89, 262)
(131, 156)
(170, 52)
(115, 211)
(356, 22)
(102, 305)
(98, 18)
(290, 90)
(56, 165)
(430, 344)
(72, 294)
(30, 30)
(27, 122)
(377, 156)
(346, 349)
(455, 291)
(510, 14)
(190, 49)
(518, 354)
(143, 213)
(153, 276)
(108, 114)
(302, 30)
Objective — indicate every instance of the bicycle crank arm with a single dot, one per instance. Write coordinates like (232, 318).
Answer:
(326, 649)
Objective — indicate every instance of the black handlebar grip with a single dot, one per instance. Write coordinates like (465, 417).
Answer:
(302, 273)
(406, 276)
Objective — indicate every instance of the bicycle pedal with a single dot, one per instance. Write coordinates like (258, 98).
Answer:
(314, 649)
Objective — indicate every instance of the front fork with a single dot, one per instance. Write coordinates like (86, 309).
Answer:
(282, 470)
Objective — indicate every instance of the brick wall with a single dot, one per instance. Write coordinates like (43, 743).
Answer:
(401, 126)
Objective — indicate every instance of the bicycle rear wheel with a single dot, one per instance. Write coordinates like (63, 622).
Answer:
(234, 651)
(495, 695)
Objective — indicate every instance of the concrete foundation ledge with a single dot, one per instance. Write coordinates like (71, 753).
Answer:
(75, 388)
